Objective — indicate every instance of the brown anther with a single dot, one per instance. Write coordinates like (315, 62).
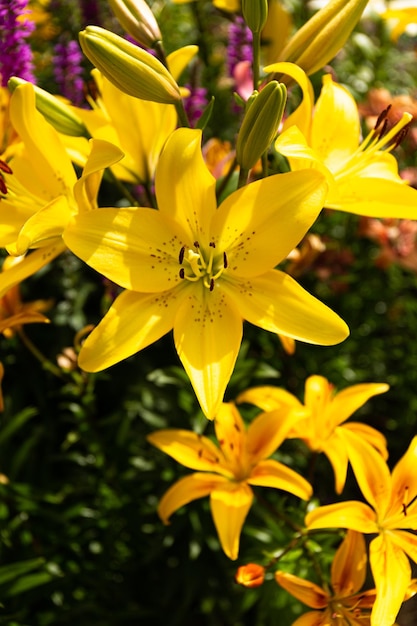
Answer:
(383, 129)
(224, 260)
(3, 188)
(400, 136)
(181, 255)
(212, 244)
(211, 284)
(4, 167)
(182, 273)
(382, 116)
(196, 244)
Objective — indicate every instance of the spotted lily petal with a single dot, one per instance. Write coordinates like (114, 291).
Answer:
(392, 574)
(276, 302)
(190, 449)
(230, 504)
(207, 335)
(268, 431)
(404, 478)
(32, 262)
(134, 321)
(191, 201)
(185, 490)
(257, 212)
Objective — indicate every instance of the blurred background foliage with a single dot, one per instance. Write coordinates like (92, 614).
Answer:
(80, 540)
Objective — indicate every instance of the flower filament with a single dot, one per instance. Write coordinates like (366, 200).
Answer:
(198, 264)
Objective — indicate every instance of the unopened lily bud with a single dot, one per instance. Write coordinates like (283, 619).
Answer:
(250, 575)
(255, 13)
(138, 20)
(260, 125)
(322, 36)
(55, 111)
(130, 68)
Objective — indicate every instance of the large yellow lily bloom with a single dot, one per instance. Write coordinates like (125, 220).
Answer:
(42, 189)
(202, 270)
(362, 175)
(344, 603)
(226, 472)
(322, 426)
(390, 514)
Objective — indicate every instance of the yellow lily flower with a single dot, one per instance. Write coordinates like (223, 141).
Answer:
(138, 127)
(343, 603)
(226, 472)
(322, 428)
(231, 6)
(401, 18)
(200, 269)
(42, 188)
(362, 175)
(390, 514)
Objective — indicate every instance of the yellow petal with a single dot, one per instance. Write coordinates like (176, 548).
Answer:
(303, 590)
(207, 334)
(135, 248)
(405, 541)
(392, 574)
(259, 226)
(370, 469)
(269, 398)
(271, 473)
(371, 435)
(375, 197)
(318, 393)
(179, 59)
(33, 262)
(276, 302)
(302, 116)
(312, 618)
(349, 400)
(231, 433)
(349, 514)
(43, 227)
(267, 431)
(348, 571)
(191, 200)
(186, 490)
(404, 479)
(334, 448)
(103, 154)
(335, 131)
(134, 321)
(230, 504)
(189, 449)
(50, 163)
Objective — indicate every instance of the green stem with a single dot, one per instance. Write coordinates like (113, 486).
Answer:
(45, 362)
(256, 58)
(182, 116)
(223, 183)
(243, 177)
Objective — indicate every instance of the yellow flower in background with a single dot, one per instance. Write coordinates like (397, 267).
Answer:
(343, 603)
(231, 6)
(201, 270)
(323, 427)
(391, 515)
(226, 473)
(362, 175)
(402, 20)
(138, 127)
(42, 188)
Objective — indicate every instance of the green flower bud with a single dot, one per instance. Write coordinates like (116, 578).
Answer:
(260, 125)
(130, 68)
(55, 111)
(321, 38)
(255, 13)
(138, 20)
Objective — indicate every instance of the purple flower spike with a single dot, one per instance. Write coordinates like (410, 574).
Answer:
(16, 57)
